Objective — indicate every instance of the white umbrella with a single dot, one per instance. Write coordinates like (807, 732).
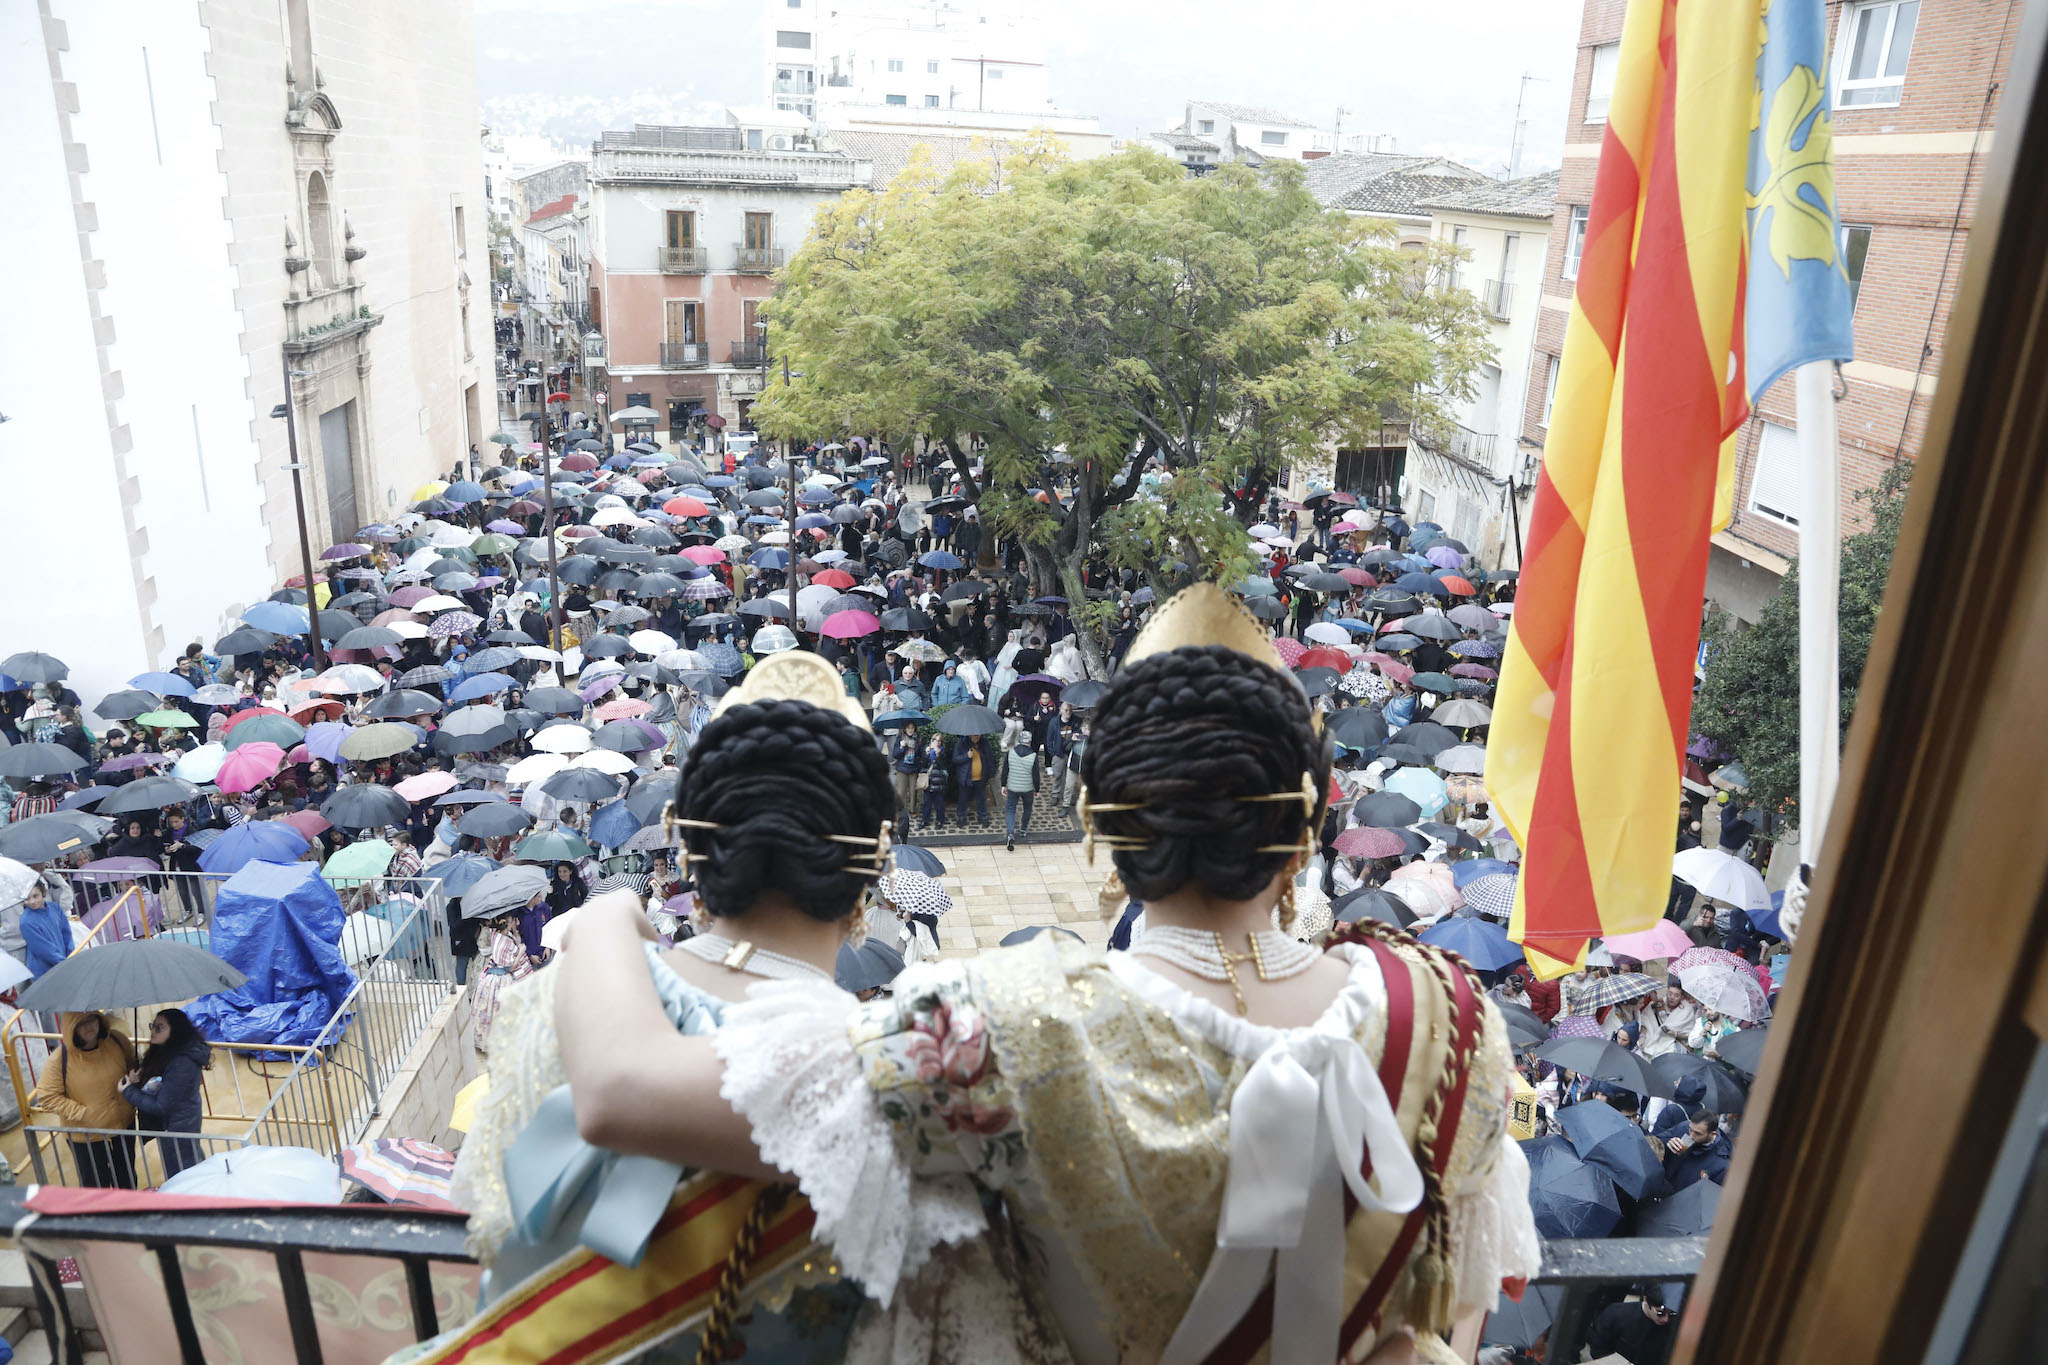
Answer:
(810, 604)
(830, 556)
(731, 543)
(1722, 877)
(556, 930)
(605, 761)
(562, 739)
(539, 652)
(201, 764)
(1462, 758)
(438, 602)
(776, 537)
(364, 937)
(1327, 633)
(406, 630)
(683, 661)
(451, 538)
(650, 643)
(1733, 991)
(278, 1175)
(534, 767)
(615, 516)
(15, 880)
(349, 678)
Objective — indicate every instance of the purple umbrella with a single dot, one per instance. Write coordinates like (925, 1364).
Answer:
(1577, 1026)
(505, 528)
(655, 738)
(452, 623)
(130, 762)
(344, 552)
(1444, 557)
(1703, 749)
(603, 685)
(114, 870)
(1036, 682)
(323, 740)
(405, 597)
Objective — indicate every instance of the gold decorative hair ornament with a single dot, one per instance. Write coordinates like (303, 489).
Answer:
(795, 675)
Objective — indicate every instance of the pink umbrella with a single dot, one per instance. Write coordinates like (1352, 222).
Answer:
(310, 823)
(425, 785)
(1577, 1026)
(385, 618)
(1390, 665)
(249, 767)
(299, 754)
(505, 528)
(702, 554)
(1664, 940)
(846, 625)
(623, 708)
(405, 597)
(1289, 649)
(1370, 841)
(1479, 671)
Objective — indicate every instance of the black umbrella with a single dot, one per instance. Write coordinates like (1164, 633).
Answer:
(1602, 1135)
(365, 805)
(970, 719)
(140, 971)
(1743, 1050)
(1403, 753)
(965, 588)
(1029, 932)
(1084, 695)
(245, 640)
(1441, 683)
(1525, 1027)
(871, 965)
(650, 795)
(41, 838)
(1522, 1324)
(335, 624)
(774, 607)
(1712, 1086)
(493, 821)
(905, 618)
(150, 793)
(1688, 1213)
(1389, 809)
(622, 736)
(1570, 1196)
(581, 570)
(1431, 627)
(581, 784)
(404, 702)
(1605, 1061)
(39, 760)
(126, 705)
(1325, 582)
(1358, 727)
(1316, 682)
(555, 701)
(1369, 902)
(1429, 737)
(452, 742)
(1449, 834)
(31, 667)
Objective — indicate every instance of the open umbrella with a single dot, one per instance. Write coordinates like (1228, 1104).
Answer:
(553, 846)
(970, 719)
(377, 741)
(1570, 1196)
(249, 767)
(41, 838)
(1743, 1049)
(150, 793)
(580, 784)
(871, 965)
(1369, 902)
(1722, 877)
(1605, 1061)
(1688, 1213)
(359, 861)
(39, 760)
(31, 667)
(1387, 808)
(138, 971)
(1663, 939)
(403, 1171)
(1480, 942)
(365, 805)
(503, 890)
(1522, 1323)
(1710, 1085)
(267, 841)
(1732, 991)
(1598, 1133)
(459, 873)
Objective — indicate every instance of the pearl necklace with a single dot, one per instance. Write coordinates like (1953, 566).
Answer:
(744, 956)
(1200, 952)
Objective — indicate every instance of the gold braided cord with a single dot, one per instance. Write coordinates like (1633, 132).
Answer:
(732, 1277)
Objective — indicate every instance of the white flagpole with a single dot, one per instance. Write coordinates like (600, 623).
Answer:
(1820, 572)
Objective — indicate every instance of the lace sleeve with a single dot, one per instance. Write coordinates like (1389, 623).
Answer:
(1493, 1230)
(792, 1072)
(525, 1064)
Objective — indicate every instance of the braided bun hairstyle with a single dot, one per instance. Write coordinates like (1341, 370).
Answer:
(781, 777)
(1188, 732)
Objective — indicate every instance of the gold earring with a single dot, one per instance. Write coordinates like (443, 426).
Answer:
(1285, 909)
(857, 922)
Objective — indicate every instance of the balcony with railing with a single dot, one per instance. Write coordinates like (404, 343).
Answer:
(684, 355)
(797, 85)
(704, 165)
(752, 354)
(1497, 297)
(759, 260)
(685, 260)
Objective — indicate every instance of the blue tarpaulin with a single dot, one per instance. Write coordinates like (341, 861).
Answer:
(280, 924)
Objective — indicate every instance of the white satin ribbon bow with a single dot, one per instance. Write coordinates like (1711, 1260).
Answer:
(1301, 1123)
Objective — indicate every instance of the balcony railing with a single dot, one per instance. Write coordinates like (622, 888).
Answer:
(796, 87)
(267, 1249)
(1474, 447)
(685, 260)
(1497, 297)
(750, 353)
(760, 260)
(684, 355)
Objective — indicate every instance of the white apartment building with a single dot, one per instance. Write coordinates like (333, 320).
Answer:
(224, 191)
(1212, 132)
(1463, 476)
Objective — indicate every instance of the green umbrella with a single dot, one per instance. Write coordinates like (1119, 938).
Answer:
(364, 858)
(492, 544)
(373, 741)
(166, 720)
(553, 846)
(282, 731)
(506, 438)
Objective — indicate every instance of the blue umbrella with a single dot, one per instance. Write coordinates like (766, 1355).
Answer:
(481, 685)
(264, 841)
(163, 684)
(613, 824)
(1599, 1133)
(464, 491)
(1480, 942)
(459, 873)
(1354, 625)
(1767, 920)
(719, 481)
(1469, 870)
(1688, 1213)
(1570, 1196)
(85, 796)
(917, 859)
(725, 661)
(887, 719)
(769, 559)
(465, 797)
(280, 618)
(939, 559)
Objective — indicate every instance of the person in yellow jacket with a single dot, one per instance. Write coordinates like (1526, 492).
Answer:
(82, 1086)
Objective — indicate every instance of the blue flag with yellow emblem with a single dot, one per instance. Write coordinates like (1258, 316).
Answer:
(1797, 306)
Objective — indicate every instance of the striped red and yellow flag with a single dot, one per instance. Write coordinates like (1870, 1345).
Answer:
(1590, 718)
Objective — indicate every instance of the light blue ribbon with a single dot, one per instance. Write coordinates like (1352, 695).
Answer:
(552, 1176)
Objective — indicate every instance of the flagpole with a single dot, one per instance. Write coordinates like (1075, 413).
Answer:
(1820, 572)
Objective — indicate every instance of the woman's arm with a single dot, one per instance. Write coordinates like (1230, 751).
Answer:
(639, 1086)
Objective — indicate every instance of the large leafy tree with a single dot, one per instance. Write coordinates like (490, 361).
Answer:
(1170, 345)
(1749, 703)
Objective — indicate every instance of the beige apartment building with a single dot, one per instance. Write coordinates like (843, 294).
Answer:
(1915, 88)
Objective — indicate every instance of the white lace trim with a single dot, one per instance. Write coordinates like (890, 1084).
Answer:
(1362, 997)
(1494, 1233)
(791, 1072)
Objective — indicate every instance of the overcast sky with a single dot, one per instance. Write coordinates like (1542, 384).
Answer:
(1440, 77)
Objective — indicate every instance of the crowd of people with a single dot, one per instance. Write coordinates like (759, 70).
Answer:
(458, 724)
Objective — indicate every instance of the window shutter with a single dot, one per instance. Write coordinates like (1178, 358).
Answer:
(1774, 489)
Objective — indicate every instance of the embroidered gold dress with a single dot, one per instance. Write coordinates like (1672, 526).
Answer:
(1189, 1186)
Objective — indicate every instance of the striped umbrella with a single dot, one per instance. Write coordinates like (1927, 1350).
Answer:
(404, 1171)
(1706, 957)
(1492, 895)
(1615, 989)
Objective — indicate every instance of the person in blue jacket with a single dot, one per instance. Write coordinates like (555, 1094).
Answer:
(951, 689)
(45, 930)
(166, 1088)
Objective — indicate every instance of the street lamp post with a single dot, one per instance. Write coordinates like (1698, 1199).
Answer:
(789, 458)
(291, 433)
(547, 481)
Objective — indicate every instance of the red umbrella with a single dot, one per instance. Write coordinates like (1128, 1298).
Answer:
(240, 716)
(560, 397)
(1391, 666)
(1371, 841)
(833, 578)
(685, 507)
(306, 712)
(525, 507)
(846, 625)
(578, 532)
(249, 767)
(310, 823)
(1289, 649)
(1458, 585)
(579, 461)
(1357, 578)
(1322, 656)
